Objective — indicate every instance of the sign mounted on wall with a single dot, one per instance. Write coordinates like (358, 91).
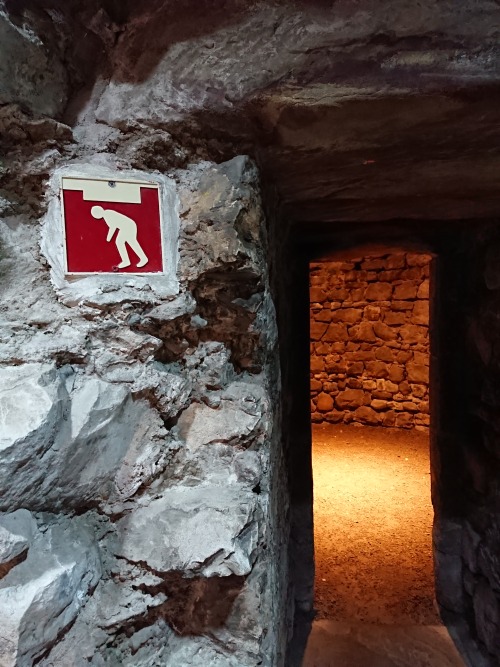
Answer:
(112, 226)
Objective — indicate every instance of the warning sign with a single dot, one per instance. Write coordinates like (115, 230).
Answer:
(112, 226)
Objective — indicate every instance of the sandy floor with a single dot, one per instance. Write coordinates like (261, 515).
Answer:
(373, 521)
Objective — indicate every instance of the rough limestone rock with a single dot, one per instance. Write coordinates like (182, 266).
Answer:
(159, 409)
(206, 530)
(114, 447)
(202, 425)
(98, 444)
(27, 435)
(29, 73)
(41, 596)
(16, 532)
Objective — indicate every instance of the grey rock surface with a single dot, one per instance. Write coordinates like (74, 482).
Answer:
(207, 530)
(134, 448)
(32, 407)
(41, 597)
(29, 73)
(16, 532)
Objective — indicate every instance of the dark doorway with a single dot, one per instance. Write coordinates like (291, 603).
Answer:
(454, 433)
(370, 357)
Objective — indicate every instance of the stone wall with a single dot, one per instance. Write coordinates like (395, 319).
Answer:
(137, 523)
(370, 340)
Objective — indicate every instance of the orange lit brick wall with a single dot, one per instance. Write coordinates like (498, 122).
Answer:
(370, 340)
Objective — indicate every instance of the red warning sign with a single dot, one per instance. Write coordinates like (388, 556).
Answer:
(112, 226)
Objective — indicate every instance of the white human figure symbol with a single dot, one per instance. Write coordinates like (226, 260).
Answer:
(127, 235)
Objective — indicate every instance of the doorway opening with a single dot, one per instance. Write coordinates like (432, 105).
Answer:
(462, 432)
(370, 413)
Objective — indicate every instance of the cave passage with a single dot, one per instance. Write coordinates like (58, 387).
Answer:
(374, 593)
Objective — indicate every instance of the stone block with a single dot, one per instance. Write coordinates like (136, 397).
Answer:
(384, 353)
(316, 385)
(395, 262)
(317, 364)
(423, 420)
(318, 329)
(423, 291)
(347, 315)
(363, 332)
(356, 368)
(382, 395)
(397, 305)
(335, 366)
(338, 294)
(369, 385)
(384, 331)
(362, 355)
(406, 290)
(374, 263)
(357, 295)
(324, 315)
(372, 313)
(418, 259)
(387, 385)
(377, 369)
(421, 358)
(378, 292)
(317, 295)
(378, 404)
(350, 399)
(204, 530)
(324, 402)
(393, 318)
(417, 373)
(367, 415)
(404, 420)
(404, 387)
(389, 419)
(411, 333)
(336, 332)
(396, 373)
(420, 313)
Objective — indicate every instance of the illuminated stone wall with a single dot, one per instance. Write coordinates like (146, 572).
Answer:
(370, 340)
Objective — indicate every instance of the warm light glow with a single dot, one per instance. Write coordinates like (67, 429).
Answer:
(373, 522)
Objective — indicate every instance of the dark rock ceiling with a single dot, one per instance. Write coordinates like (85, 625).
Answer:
(355, 110)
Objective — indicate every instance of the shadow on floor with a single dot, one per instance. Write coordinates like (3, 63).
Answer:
(324, 643)
(298, 644)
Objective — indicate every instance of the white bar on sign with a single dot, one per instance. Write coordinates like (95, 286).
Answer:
(107, 191)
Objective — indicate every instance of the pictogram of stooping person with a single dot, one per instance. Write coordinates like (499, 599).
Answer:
(127, 235)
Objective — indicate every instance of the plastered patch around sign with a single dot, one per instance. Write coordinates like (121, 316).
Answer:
(111, 232)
